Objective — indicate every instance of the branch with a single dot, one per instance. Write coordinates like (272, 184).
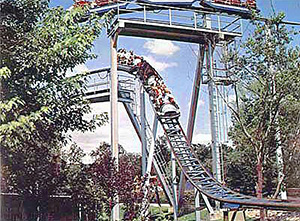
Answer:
(253, 75)
(236, 115)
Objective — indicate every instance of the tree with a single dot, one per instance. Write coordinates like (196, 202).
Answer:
(203, 153)
(39, 104)
(268, 89)
(95, 186)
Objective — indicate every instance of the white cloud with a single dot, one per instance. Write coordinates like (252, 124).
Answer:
(161, 47)
(202, 138)
(127, 135)
(77, 70)
(160, 66)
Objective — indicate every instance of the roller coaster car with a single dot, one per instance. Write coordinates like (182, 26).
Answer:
(99, 6)
(170, 2)
(81, 3)
(239, 3)
(168, 110)
(94, 4)
(151, 81)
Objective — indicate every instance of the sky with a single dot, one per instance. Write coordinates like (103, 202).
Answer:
(176, 62)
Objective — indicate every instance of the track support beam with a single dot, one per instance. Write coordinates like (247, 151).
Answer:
(143, 130)
(114, 114)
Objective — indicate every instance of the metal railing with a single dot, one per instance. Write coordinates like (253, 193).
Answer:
(178, 17)
(100, 80)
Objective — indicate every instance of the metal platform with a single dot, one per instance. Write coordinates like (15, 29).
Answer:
(104, 96)
(171, 23)
(98, 86)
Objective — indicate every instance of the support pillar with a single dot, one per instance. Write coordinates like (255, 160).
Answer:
(174, 184)
(212, 102)
(215, 142)
(213, 115)
(192, 113)
(143, 130)
(114, 114)
(197, 205)
(195, 94)
(155, 124)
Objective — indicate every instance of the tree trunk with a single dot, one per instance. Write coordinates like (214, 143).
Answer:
(260, 181)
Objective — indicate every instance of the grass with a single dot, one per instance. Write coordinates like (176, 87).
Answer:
(192, 216)
(163, 211)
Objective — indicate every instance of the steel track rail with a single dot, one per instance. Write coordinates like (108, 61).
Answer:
(201, 179)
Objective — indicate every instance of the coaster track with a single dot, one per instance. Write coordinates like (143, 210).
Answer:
(192, 168)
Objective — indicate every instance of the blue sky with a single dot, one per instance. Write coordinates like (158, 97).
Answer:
(176, 62)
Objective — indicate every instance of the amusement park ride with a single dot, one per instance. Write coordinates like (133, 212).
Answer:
(213, 25)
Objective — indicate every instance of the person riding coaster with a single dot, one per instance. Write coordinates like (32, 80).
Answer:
(164, 103)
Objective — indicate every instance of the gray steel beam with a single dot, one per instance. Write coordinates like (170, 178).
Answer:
(114, 114)
(133, 119)
(174, 185)
(212, 109)
(155, 123)
(143, 130)
(195, 94)
(192, 113)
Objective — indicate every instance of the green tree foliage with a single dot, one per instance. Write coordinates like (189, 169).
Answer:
(94, 186)
(266, 114)
(203, 153)
(39, 104)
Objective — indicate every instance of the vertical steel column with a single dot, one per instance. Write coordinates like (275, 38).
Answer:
(150, 158)
(143, 130)
(114, 113)
(219, 114)
(155, 124)
(197, 205)
(225, 95)
(174, 184)
(219, 120)
(212, 110)
(152, 135)
(224, 132)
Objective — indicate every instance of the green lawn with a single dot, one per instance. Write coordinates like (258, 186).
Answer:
(162, 213)
(192, 216)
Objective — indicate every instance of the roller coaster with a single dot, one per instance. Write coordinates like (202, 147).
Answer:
(230, 6)
(203, 25)
(168, 115)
